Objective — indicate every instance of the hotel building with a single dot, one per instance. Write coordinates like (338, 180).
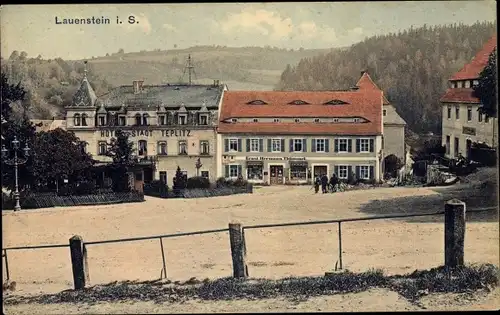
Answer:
(462, 124)
(278, 137)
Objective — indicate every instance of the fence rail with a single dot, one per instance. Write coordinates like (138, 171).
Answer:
(238, 246)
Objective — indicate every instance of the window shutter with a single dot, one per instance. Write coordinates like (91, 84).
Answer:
(248, 145)
(357, 171)
(239, 145)
(313, 145)
(371, 172)
(304, 145)
(349, 170)
(358, 145)
(291, 145)
(371, 145)
(227, 171)
(349, 145)
(269, 145)
(282, 145)
(261, 145)
(226, 145)
(239, 170)
(336, 170)
(336, 145)
(327, 145)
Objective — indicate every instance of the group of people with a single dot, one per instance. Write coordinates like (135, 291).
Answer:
(326, 184)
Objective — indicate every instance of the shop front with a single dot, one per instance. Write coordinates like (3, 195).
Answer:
(299, 172)
(277, 170)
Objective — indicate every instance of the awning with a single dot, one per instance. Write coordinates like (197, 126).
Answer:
(298, 163)
(257, 163)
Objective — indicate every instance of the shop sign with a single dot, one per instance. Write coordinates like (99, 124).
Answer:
(149, 133)
(275, 158)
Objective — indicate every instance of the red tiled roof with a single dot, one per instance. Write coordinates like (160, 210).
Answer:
(366, 83)
(459, 95)
(366, 104)
(472, 70)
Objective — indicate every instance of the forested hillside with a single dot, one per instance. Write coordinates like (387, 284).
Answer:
(412, 67)
(51, 83)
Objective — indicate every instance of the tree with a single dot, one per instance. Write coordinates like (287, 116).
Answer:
(180, 182)
(486, 89)
(10, 93)
(121, 150)
(58, 154)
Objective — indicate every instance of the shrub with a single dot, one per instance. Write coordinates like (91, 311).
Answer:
(156, 188)
(179, 182)
(392, 164)
(84, 188)
(240, 182)
(197, 182)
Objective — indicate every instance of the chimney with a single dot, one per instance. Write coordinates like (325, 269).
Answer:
(137, 86)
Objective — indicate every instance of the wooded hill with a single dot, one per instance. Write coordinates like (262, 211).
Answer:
(412, 67)
(51, 83)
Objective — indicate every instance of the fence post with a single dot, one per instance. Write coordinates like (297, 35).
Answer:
(77, 261)
(238, 254)
(454, 233)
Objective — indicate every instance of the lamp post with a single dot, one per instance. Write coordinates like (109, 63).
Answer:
(16, 161)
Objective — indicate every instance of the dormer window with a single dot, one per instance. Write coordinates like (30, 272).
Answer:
(234, 120)
(203, 120)
(84, 119)
(335, 120)
(76, 119)
(454, 85)
(138, 119)
(255, 120)
(145, 119)
(336, 102)
(276, 120)
(316, 120)
(257, 102)
(182, 119)
(298, 102)
(162, 120)
(102, 120)
(122, 120)
(297, 120)
(356, 120)
(384, 112)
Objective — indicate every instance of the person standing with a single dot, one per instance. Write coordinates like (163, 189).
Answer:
(324, 183)
(333, 182)
(317, 182)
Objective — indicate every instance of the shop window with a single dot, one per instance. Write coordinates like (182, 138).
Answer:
(298, 171)
(255, 171)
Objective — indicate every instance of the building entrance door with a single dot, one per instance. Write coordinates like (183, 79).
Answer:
(276, 174)
(468, 148)
(319, 170)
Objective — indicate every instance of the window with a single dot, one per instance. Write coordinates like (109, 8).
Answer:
(457, 112)
(384, 112)
(162, 148)
(255, 120)
(479, 117)
(297, 145)
(364, 145)
(121, 120)
(364, 172)
(276, 120)
(204, 174)
(145, 119)
(276, 145)
(102, 120)
(449, 112)
(204, 147)
(76, 119)
(469, 113)
(143, 147)
(233, 170)
(475, 82)
(84, 120)
(182, 119)
(138, 120)
(447, 144)
(316, 120)
(203, 120)
(343, 172)
(254, 145)
(162, 120)
(320, 145)
(356, 120)
(462, 84)
(298, 171)
(297, 120)
(335, 120)
(467, 84)
(454, 85)
(103, 146)
(342, 145)
(83, 147)
(233, 144)
(163, 177)
(457, 146)
(183, 147)
(255, 171)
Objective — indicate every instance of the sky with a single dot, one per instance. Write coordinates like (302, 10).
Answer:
(33, 28)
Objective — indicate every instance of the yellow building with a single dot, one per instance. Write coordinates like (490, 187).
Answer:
(170, 125)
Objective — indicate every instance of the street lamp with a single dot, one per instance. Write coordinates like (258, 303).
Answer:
(16, 161)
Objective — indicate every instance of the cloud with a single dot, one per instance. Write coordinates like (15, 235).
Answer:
(142, 23)
(261, 21)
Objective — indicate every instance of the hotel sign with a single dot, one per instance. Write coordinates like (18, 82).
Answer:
(469, 131)
(150, 133)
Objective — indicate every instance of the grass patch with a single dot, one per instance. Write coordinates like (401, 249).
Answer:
(411, 286)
